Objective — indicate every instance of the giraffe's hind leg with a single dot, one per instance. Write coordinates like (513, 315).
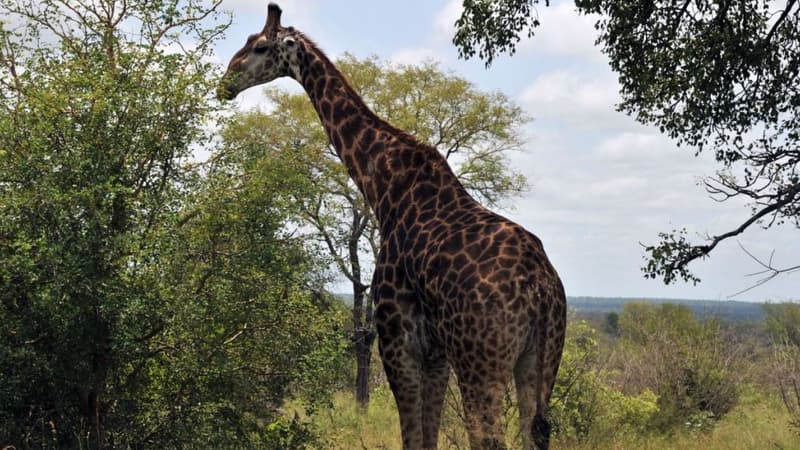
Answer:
(435, 374)
(482, 398)
(533, 396)
(527, 402)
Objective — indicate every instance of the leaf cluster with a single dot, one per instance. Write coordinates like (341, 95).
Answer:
(489, 28)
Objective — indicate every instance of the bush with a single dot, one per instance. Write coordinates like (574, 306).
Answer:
(782, 324)
(288, 435)
(576, 394)
(683, 361)
(786, 366)
(584, 407)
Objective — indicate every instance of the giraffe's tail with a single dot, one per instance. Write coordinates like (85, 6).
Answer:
(535, 373)
(540, 430)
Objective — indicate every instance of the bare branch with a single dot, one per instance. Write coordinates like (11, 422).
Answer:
(699, 251)
(767, 274)
(789, 5)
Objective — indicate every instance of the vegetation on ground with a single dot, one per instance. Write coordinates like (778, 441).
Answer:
(665, 381)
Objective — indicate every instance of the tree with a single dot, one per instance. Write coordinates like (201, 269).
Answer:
(713, 76)
(248, 327)
(475, 130)
(611, 325)
(145, 301)
(93, 125)
(782, 323)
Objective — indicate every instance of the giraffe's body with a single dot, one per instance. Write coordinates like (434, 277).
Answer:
(455, 285)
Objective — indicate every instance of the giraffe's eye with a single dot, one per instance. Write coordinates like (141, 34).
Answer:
(260, 48)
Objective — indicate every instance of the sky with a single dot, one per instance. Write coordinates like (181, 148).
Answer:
(601, 183)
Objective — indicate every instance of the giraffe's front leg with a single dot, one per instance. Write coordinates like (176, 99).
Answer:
(397, 322)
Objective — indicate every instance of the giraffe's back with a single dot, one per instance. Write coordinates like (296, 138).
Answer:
(485, 283)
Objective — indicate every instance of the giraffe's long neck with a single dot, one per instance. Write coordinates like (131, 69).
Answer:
(361, 139)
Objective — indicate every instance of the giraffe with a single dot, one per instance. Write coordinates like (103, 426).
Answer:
(455, 286)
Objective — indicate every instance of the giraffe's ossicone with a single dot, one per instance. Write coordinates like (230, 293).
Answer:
(455, 285)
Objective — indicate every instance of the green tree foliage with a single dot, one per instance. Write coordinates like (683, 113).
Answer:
(683, 361)
(718, 76)
(489, 28)
(248, 326)
(145, 301)
(474, 130)
(88, 163)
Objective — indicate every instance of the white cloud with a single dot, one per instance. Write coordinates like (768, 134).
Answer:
(415, 55)
(618, 187)
(444, 21)
(297, 13)
(564, 32)
(650, 153)
(627, 145)
(578, 99)
(254, 98)
(597, 194)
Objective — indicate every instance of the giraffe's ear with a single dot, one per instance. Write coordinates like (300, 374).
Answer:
(273, 21)
(289, 41)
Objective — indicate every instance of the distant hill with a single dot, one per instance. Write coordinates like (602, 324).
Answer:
(733, 311)
(730, 310)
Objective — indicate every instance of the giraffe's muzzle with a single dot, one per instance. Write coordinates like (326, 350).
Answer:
(225, 93)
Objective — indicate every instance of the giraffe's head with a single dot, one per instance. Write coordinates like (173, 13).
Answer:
(267, 55)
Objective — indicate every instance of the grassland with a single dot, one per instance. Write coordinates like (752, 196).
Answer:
(758, 422)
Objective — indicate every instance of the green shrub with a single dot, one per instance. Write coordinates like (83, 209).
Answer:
(683, 361)
(629, 413)
(576, 394)
(288, 434)
(782, 324)
(584, 407)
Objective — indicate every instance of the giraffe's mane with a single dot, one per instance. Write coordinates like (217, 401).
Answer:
(403, 135)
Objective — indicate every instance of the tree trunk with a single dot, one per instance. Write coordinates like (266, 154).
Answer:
(363, 336)
(363, 357)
